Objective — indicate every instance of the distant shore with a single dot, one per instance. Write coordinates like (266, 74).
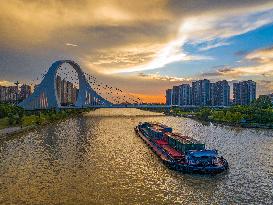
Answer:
(248, 116)
(242, 125)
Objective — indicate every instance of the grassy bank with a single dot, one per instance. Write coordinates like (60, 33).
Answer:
(13, 116)
(225, 117)
(4, 123)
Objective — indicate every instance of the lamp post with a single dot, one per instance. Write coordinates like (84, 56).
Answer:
(17, 89)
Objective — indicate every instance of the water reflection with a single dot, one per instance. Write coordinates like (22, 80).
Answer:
(98, 159)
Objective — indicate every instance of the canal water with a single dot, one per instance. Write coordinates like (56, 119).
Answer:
(98, 159)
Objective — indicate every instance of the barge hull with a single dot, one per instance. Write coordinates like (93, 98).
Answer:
(168, 161)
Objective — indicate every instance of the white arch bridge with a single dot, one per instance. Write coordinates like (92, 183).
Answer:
(45, 95)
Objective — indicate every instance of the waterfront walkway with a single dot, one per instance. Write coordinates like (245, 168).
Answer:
(13, 130)
(9, 130)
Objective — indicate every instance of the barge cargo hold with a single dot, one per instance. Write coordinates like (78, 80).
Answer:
(179, 152)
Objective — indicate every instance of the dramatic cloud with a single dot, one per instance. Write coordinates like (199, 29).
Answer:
(261, 70)
(117, 39)
(213, 29)
(263, 66)
(105, 28)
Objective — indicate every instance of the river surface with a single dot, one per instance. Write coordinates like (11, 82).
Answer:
(98, 159)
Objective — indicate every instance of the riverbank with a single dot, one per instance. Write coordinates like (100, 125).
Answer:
(236, 116)
(9, 132)
(258, 114)
(33, 120)
(243, 125)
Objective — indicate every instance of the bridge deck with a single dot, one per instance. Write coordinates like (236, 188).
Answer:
(118, 106)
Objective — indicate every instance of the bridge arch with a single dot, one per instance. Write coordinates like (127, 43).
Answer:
(45, 95)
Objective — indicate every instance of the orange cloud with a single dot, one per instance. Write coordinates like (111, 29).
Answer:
(263, 56)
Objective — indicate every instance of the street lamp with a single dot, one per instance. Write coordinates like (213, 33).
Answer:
(17, 89)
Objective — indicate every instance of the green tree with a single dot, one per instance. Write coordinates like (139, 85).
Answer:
(229, 116)
(218, 115)
(237, 117)
(11, 119)
(204, 113)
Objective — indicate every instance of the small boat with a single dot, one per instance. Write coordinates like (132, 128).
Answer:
(179, 152)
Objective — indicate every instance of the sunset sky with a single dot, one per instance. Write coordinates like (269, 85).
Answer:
(141, 46)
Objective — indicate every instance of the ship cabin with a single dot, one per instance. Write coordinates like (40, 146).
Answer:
(202, 157)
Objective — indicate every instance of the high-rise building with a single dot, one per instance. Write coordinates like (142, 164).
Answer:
(244, 92)
(219, 93)
(205, 95)
(8, 93)
(196, 92)
(74, 94)
(236, 94)
(2, 93)
(175, 95)
(185, 96)
(25, 91)
(201, 92)
(59, 87)
(69, 92)
(169, 93)
(64, 92)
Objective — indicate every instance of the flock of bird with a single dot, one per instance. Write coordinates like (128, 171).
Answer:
(110, 93)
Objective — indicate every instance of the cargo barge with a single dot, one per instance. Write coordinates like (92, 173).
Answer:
(179, 152)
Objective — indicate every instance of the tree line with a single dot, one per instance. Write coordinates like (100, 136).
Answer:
(17, 116)
(260, 111)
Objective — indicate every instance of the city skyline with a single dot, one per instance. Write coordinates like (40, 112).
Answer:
(14, 93)
(142, 47)
(206, 93)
